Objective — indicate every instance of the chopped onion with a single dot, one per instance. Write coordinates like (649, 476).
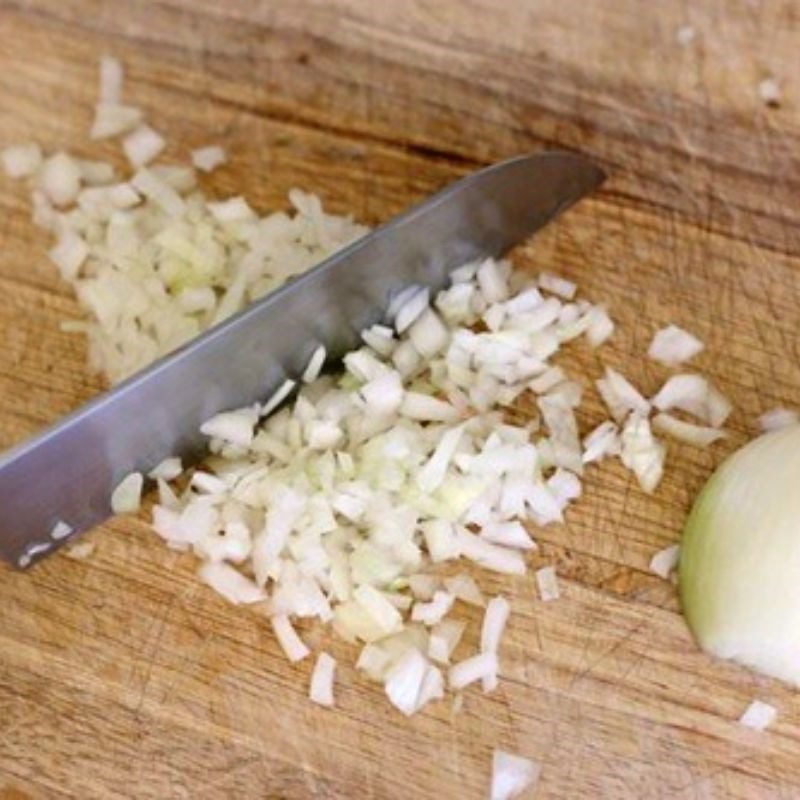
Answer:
(159, 191)
(231, 584)
(665, 561)
(547, 583)
(673, 346)
(69, 254)
(444, 639)
(686, 431)
(60, 531)
(283, 391)
(111, 77)
(492, 282)
(60, 178)
(600, 326)
(642, 453)
(168, 469)
(428, 333)
(433, 472)
(127, 497)
(433, 612)
(235, 427)
(404, 681)
(494, 623)
(208, 158)
(383, 395)
(315, 364)
(411, 309)
(432, 687)
(321, 688)
(560, 286)
(508, 534)
(380, 611)
(601, 442)
(490, 556)
(476, 668)
(621, 396)
(778, 418)
(695, 395)
(758, 715)
(143, 145)
(21, 160)
(512, 775)
(287, 637)
(113, 119)
(464, 588)
(80, 551)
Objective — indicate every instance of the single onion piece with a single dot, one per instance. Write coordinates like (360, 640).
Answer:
(411, 309)
(740, 558)
(80, 551)
(111, 77)
(603, 441)
(555, 285)
(758, 715)
(235, 427)
(432, 687)
(476, 668)
(642, 453)
(665, 561)
(433, 612)
(444, 638)
(280, 394)
(60, 178)
(168, 469)
(492, 282)
(127, 497)
(695, 395)
(231, 584)
(60, 531)
(463, 586)
(512, 775)
(321, 688)
(21, 160)
(208, 158)
(686, 431)
(404, 681)
(291, 644)
(490, 556)
(113, 119)
(547, 583)
(620, 395)
(69, 254)
(600, 326)
(235, 209)
(494, 623)
(777, 418)
(673, 346)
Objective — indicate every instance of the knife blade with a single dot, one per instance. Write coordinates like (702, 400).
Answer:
(67, 473)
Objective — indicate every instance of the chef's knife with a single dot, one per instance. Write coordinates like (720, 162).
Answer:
(67, 473)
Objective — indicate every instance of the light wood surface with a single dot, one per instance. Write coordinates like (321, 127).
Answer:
(121, 676)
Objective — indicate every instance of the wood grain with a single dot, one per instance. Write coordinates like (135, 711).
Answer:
(122, 677)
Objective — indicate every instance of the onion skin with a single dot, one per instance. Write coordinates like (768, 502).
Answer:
(739, 572)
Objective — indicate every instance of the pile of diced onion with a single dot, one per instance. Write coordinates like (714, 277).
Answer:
(152, 260)
(353, 502)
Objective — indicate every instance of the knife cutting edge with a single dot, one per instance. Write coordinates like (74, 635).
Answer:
(66, 474)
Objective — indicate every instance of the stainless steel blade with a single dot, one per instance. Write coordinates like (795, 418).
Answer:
(68, 472)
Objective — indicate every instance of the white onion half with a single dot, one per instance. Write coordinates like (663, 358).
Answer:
(740, 558)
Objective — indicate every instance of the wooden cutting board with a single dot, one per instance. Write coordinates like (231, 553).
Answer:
(121, 676)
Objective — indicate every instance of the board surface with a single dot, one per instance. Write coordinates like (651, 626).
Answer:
(122, 676)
